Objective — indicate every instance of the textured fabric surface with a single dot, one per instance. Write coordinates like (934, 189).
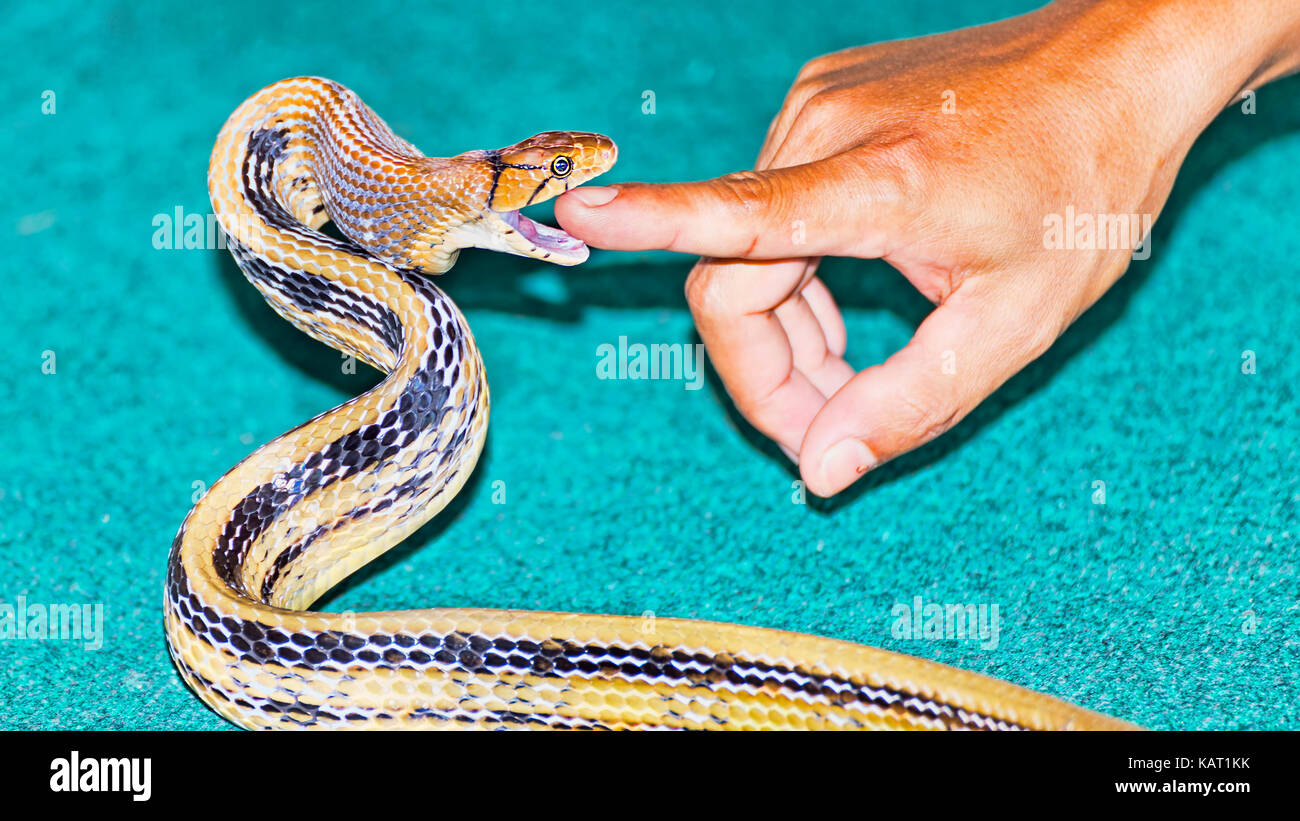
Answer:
(1174, 604)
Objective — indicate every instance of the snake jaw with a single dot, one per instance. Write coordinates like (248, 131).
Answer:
(534, 239)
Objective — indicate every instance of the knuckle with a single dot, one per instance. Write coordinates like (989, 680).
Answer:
(814, 127)
(824, 103)
(928, 417)
(748, 191)
(814, 68)
(904, 161)
(818, 107)
(804, 89)
(759, 412)
(704, 293)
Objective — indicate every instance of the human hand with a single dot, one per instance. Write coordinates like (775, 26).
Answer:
(948, 157)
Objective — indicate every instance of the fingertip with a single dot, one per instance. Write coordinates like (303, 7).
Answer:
(842, 464)
(591, 196)
(607, 217)
(578, 213)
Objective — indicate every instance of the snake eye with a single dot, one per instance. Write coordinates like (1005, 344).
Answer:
(561, 166)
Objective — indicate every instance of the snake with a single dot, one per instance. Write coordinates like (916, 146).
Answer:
(312, 506)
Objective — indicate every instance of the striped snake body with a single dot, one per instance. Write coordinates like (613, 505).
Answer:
(319, 502)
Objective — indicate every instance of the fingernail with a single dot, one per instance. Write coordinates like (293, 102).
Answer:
(593, 197)
(789, 454)
(845, 462)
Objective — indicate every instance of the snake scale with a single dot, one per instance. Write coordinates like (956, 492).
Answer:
(312, 506)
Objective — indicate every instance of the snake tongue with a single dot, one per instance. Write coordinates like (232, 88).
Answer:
(548, 239)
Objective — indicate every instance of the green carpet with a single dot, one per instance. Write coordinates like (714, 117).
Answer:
(1174, 604)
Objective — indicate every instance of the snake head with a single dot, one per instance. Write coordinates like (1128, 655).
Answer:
(534, 171)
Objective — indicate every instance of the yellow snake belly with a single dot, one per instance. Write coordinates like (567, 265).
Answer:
(312, 506)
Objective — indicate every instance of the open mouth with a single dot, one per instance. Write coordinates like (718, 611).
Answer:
(544, 237)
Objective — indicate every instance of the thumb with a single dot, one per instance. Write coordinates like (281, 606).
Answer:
(960, 354)
(830, 207)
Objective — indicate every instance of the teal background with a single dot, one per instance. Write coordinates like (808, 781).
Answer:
(1173, 605)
